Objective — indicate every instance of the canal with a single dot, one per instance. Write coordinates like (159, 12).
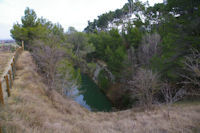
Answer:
(91, 97)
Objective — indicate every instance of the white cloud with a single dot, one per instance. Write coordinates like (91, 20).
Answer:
(67, 12)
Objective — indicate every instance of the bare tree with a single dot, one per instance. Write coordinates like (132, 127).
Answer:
(192, 68)
(47, 55)
(144, 86)
(172, 94)
(148, 48)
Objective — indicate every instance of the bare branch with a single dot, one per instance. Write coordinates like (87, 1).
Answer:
(144, 86)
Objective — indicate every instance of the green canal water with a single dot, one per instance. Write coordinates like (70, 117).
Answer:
(91, 97)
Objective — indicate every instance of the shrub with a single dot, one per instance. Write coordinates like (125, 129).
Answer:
(192, 68)
(172, 94)
(103, 80)
(144, 86)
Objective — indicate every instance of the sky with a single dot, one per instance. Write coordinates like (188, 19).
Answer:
(74, 13)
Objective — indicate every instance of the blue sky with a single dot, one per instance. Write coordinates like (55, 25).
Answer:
(67, 12)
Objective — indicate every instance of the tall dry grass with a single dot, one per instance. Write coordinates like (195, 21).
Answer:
(31, 110)
(5, 57)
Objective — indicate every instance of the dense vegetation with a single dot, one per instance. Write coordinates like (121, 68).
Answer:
(151, 54)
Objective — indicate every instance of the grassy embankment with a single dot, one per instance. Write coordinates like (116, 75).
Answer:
(31, 110)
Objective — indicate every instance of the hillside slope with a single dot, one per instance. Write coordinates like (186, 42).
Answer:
(30, 110)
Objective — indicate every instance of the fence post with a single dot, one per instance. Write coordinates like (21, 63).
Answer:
(14, 60)
(10, 77)
(1, 94)
(7, 84)
(12, 67)
(1, 129)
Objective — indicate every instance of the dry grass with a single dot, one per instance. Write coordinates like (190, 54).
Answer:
(30, 110)
(4, 60)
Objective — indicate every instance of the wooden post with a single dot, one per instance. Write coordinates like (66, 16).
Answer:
(1, 94)
(11, 82)
(7, 84)
(1, 129)
(14, 60)
(12, 67)
(13, 63)
(23, 45)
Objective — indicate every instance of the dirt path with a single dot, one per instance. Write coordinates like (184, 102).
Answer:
(31, 110)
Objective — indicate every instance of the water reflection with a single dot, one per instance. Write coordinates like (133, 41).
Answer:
(90, 96)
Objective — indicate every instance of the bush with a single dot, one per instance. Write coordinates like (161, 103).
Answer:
(103, 80)
(144, 86)
(192, 75)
